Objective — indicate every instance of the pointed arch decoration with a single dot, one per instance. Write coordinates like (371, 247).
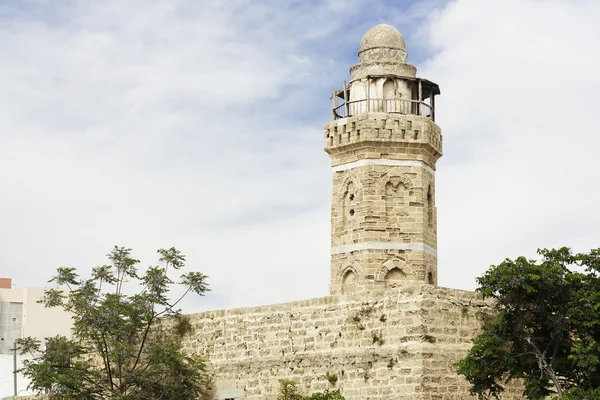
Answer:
(394, 270)
(396, 188)
(351, 179)
(349, 200)
(395, 176)
(431, 277)
(348, 279)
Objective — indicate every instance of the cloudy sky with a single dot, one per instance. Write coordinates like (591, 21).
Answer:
(198, 124)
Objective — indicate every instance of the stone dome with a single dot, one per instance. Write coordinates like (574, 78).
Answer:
(382, 36)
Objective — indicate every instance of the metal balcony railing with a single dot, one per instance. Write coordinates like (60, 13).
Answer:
(422, 91)
(391, 106)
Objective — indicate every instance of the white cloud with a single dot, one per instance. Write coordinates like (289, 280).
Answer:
(518, 112)
(198, 125)
(158, 124)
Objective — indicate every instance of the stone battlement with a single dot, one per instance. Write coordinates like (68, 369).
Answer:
(391, 136)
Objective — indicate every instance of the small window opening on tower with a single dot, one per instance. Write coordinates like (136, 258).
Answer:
(352, 212)
(352, 196)
(429, 207)
(430, 279)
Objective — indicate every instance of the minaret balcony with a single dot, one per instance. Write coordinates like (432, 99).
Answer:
(418, 98)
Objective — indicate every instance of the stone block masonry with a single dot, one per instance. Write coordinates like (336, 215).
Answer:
(399, 343)
(383, 136)
(384, 144)
(383, 213)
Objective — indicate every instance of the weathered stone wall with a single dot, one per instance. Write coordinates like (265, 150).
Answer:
(389, 344)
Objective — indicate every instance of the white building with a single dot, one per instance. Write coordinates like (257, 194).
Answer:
(21, 316)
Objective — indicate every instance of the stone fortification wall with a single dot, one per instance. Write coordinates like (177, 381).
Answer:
(399, 343)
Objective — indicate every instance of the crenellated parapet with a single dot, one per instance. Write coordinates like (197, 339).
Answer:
(383, 135)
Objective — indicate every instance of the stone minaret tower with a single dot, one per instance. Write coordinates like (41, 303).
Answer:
(384, 145)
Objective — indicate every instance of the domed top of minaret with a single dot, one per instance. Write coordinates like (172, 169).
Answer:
(382, 36)
(382, 52)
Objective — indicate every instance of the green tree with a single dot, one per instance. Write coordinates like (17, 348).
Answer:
(288, 390)
(544, 327)
(581, 394)
(115, 352)
(326, 395)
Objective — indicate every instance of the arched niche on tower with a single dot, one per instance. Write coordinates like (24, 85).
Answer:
(431, 278)
(430, 275)
(348, 279)
(396, 189)
(349, 201)
(394, 271)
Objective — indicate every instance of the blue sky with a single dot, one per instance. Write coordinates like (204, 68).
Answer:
(198, 125)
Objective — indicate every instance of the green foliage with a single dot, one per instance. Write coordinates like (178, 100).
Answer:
(62, 366)
(581, 394)
(331, 377)
(358, 322)
(326, 395)
(544, 328)
(377, 338)
(183, 326)
(465, 311)
(366, 310)
(288, 390)
(115, 353)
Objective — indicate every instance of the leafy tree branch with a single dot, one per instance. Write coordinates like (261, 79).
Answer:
(114, 353)
(544, 327)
